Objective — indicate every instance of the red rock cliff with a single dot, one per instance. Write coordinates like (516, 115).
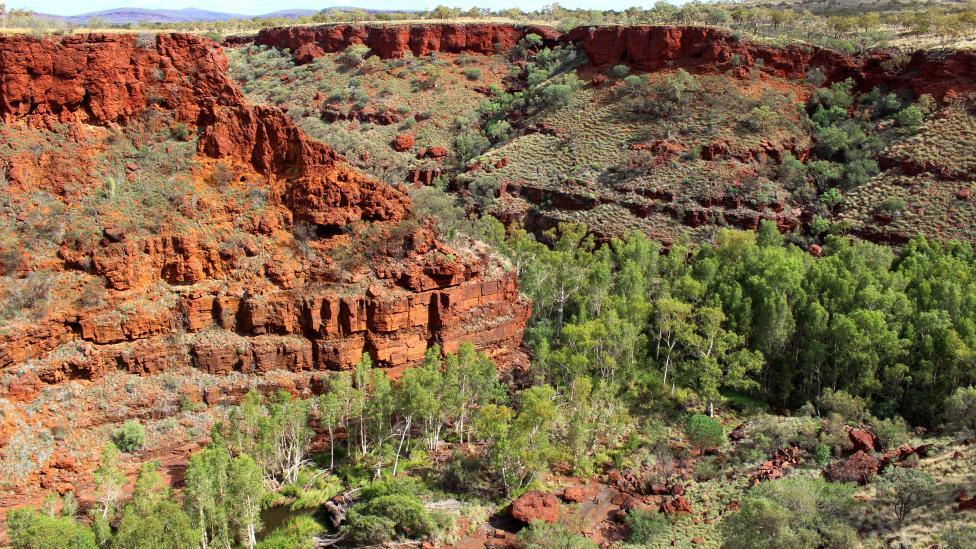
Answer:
(389, 41)
(644, 47)
(291, 316)
(650, 48)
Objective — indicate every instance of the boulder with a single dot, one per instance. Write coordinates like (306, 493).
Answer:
(307, 53)
(403, 142)
(579, 494)
(433, 152)
(535, 505)
(860, 468)
(864, 440)
(676, 505)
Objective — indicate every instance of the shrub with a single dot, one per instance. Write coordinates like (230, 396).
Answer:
(498, 130)
(842, 403)
(407, 513)
(888, 104)
(892, 432)
(354, 55)
(645, 527)
(540, 535)
(705, 470)
(556, 96)
(181, 132)
(533, 39)
(368, 529)
(146, 40)
(762, 118)
(620, 71)
(892, 205)
(821, 455)
(472, 73)
(470, 144)
(793, 512)
(221, 176)
(831, 198)
(130, 437)
(29, 529)
(828, 117)
(905, 489)
(833, 140)
(910, 117)
(704, 432)
(674, 91)
(298, 533)
(960, 409)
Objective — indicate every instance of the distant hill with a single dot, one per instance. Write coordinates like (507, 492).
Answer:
(121, 16)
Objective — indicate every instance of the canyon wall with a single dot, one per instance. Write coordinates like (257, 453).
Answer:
(388, 41)
(643, 47)
(706, 49)
(283, 315)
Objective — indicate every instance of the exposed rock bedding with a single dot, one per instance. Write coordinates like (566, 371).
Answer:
(644, 47)
(178, 298)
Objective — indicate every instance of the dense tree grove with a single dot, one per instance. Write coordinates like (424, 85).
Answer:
(756, 315)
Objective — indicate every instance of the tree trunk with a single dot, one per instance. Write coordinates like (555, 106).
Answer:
(251, 537)
(403, 435)
(331, 449)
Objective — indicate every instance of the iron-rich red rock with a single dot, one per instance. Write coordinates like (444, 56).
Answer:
(860, 468)
(535, 505)
(864, 440)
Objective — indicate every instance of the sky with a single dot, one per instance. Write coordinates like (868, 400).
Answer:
(257, 7)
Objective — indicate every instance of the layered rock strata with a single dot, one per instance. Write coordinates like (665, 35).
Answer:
(290, 316)
(643, 47)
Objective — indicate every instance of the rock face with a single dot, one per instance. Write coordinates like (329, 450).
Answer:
(705, 49)
(388, 41)
(535, 505)
(643, 47)
(422, 294)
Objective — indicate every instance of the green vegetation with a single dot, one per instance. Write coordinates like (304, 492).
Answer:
(130, 437)
(540, 535)
(29, 529)
(704, 432)
(645, 527)
(793, 513)
(751, 313)
(905, 490)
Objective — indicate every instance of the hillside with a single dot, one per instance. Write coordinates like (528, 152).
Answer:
(486, 285)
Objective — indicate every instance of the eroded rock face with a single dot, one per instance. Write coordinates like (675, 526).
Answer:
(390, 41)
(425, 293)
(643, 47)
(705, 49)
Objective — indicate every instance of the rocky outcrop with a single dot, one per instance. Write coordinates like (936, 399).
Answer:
(707, 49)
(864, 441)
(423, 292)
(645, 48)
(390, 41)
(860, 468)
(101, 78)
(777, 467)
(535, 506)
